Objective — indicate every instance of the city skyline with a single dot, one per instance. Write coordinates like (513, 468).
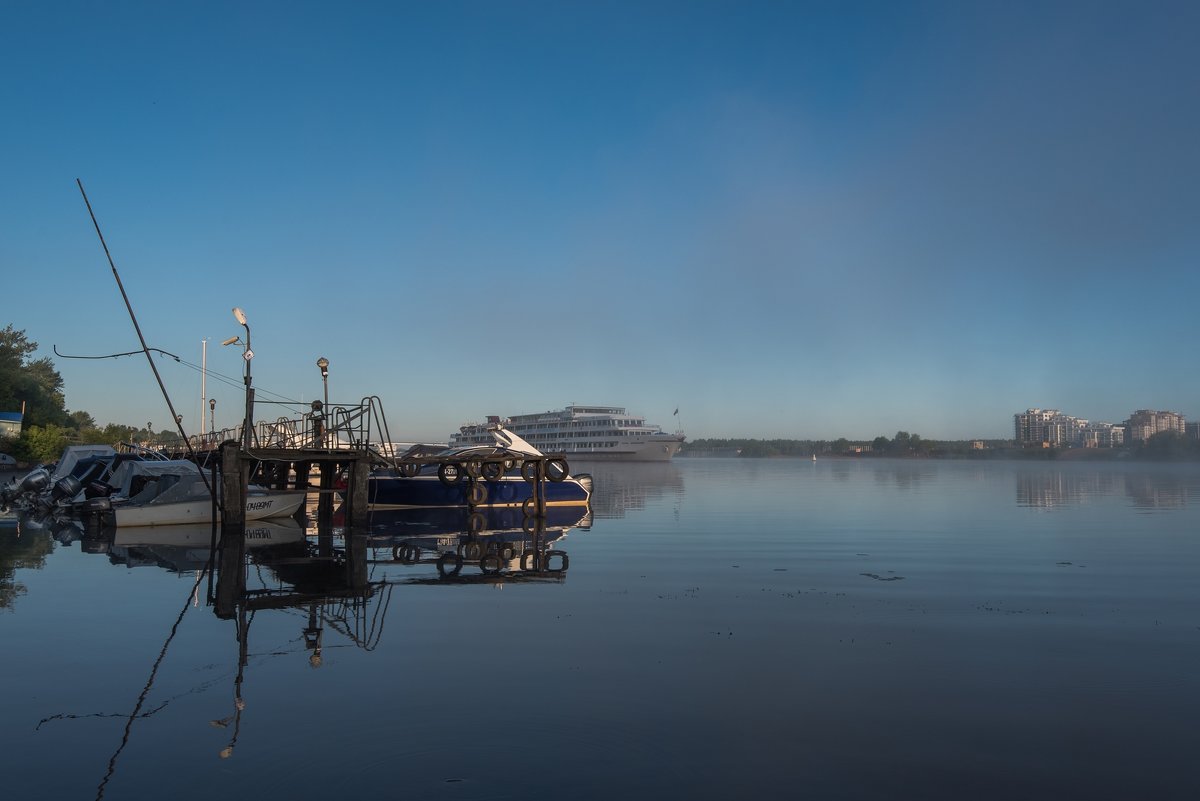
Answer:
(784, 220)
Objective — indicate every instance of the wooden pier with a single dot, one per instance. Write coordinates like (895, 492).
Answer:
(291, 468)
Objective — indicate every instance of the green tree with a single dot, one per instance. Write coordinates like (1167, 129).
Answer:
(81, 421)
(881, 444)
(44, 443)
(33, 382)
(1168, 445)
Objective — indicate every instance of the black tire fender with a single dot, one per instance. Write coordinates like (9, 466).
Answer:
(557, 470)
(450, 473)
(449, 564)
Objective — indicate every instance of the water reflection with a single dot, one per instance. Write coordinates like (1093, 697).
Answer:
(1145, 489)
(904, 474)
(340, 581)
(502, 543)
(188, 548)
(628, 486)
(20, 550)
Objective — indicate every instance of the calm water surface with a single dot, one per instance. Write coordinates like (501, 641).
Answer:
(726, 628)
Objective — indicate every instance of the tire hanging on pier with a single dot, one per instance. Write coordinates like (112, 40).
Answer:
(530, 508)
(450, 474)
(557, 469)
(476, 493)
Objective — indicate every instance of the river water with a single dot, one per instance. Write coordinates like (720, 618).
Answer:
(858, 629)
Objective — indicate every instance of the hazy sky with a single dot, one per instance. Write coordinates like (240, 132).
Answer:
(785, 219)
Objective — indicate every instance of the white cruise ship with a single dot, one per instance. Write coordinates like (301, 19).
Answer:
(583, 432)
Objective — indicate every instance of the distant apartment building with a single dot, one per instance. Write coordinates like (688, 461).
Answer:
(1191, 430)
(1031, 426)
(1050, 428)
(1103, 435)
(1145, 423)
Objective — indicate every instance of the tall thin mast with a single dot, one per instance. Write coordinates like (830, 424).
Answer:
(203, 382)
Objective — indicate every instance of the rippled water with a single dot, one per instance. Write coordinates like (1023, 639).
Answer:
(725, 628)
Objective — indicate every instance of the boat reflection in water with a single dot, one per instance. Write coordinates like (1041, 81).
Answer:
(622, 487)
(331, 579)
(188, 547)
(502, 542)
(340, 580)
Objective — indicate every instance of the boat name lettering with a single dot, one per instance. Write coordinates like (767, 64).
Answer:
(258, 505)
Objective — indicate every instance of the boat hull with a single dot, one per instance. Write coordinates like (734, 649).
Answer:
(650, 451)
(259, 506)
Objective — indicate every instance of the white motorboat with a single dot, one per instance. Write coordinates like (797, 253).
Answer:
(173, 492)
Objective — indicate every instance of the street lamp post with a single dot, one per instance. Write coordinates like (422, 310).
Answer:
(323, 364)
(247, 355)
(212, 418)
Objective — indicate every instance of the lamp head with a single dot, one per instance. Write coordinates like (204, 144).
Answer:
(212, 404)
(323, 363)
(239, 315)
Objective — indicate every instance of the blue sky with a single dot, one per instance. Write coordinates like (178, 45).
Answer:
(785, 219)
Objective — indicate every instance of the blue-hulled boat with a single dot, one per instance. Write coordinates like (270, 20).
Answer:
(481, 476)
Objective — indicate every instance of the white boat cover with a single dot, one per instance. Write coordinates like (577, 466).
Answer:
(159, 482)
(73, 454)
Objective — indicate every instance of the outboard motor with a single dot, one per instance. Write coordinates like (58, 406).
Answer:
(65, 489)
(34, 481)
(98, 489)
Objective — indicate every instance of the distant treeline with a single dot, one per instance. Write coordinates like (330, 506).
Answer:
(1164, 446)
(903, 444)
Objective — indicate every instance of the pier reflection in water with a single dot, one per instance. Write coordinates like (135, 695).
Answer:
(851, 627)
(329, 581)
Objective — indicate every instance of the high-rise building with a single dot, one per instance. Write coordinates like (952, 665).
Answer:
(1050, 428)
(1145, 423)
(1030, 426)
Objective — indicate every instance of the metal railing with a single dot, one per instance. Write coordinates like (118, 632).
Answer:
(362, 426)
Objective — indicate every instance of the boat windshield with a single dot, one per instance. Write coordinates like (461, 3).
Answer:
(471, 450)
